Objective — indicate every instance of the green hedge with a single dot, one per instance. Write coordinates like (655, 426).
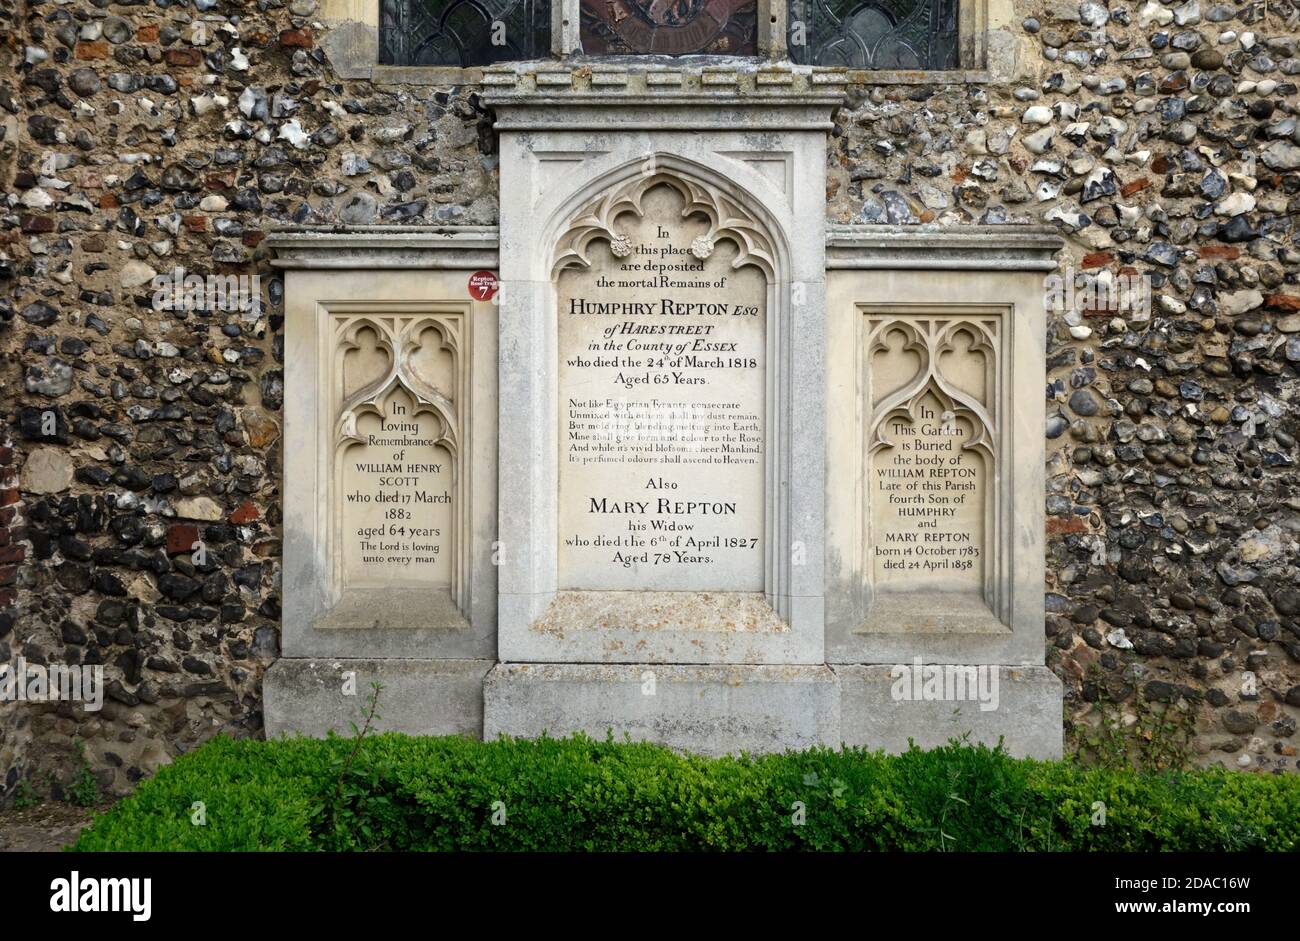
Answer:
(403, 793)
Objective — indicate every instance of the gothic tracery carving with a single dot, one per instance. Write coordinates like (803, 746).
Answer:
(929, 339)
(952, 362)
(409, 343)
(727, 219)
(399, 335)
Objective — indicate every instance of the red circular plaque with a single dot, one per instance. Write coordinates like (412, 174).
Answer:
(482, 285)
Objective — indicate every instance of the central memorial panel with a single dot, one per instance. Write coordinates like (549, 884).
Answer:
(662, 344)
(661, 348)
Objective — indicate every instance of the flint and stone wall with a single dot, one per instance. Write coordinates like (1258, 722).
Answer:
(1160, 139)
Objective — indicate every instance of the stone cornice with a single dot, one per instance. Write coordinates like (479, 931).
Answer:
(700, 74)
(988, 248)
(658, 98)
(975, 248)
(385, 247)
(663, 112)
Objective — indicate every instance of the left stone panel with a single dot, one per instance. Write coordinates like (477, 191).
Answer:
(390, 501)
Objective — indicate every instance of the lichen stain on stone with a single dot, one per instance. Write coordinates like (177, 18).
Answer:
(659, 611)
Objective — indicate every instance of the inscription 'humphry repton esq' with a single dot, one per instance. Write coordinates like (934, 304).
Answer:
(662, 392)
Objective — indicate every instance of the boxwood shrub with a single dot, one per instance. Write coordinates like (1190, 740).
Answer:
(396, 792)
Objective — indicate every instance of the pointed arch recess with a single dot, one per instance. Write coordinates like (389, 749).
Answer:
(929, 337)
(400, 334)
(733, 214)
(729, 218)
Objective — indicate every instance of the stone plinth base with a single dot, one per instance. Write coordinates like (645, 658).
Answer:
(419, 697)
(710, 710)
(880, 709)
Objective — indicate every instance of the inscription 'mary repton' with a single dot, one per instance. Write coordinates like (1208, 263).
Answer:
(662, 382)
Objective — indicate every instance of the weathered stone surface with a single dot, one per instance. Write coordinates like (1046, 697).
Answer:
(419, 697)
(883, 707)
(47, 470)
(713, 710)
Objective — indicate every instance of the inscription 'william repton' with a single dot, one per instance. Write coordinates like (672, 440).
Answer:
(931, 448)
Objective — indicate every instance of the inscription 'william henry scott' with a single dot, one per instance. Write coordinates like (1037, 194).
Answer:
(396, 500)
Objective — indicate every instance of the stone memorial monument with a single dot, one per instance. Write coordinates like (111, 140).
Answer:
(675, 369)
(696, 469)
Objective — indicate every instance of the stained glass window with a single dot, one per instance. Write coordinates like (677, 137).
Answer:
(874, 34)
(670, 27)
(857, 34)
(462, 32)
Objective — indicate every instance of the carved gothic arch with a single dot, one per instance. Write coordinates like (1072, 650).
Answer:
(399, 337)
(728, 219)
(929, 340)
(733, 214)
(400, 331)
(929, 335)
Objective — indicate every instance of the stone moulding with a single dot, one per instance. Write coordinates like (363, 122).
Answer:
(759, 244)
(930, 334)
(976, 248)
(1003, 247)
(678, 110)
(931, 337)
(400, 333)
(380, 246)
(602, 74)
(400, 330)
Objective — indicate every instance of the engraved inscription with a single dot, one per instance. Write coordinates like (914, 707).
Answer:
(396, 505)
(931, 451)
(926, 488)
(662, 358)
(396, 497)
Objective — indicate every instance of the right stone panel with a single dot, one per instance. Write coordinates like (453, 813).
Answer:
(934, 453)
(935, 378)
